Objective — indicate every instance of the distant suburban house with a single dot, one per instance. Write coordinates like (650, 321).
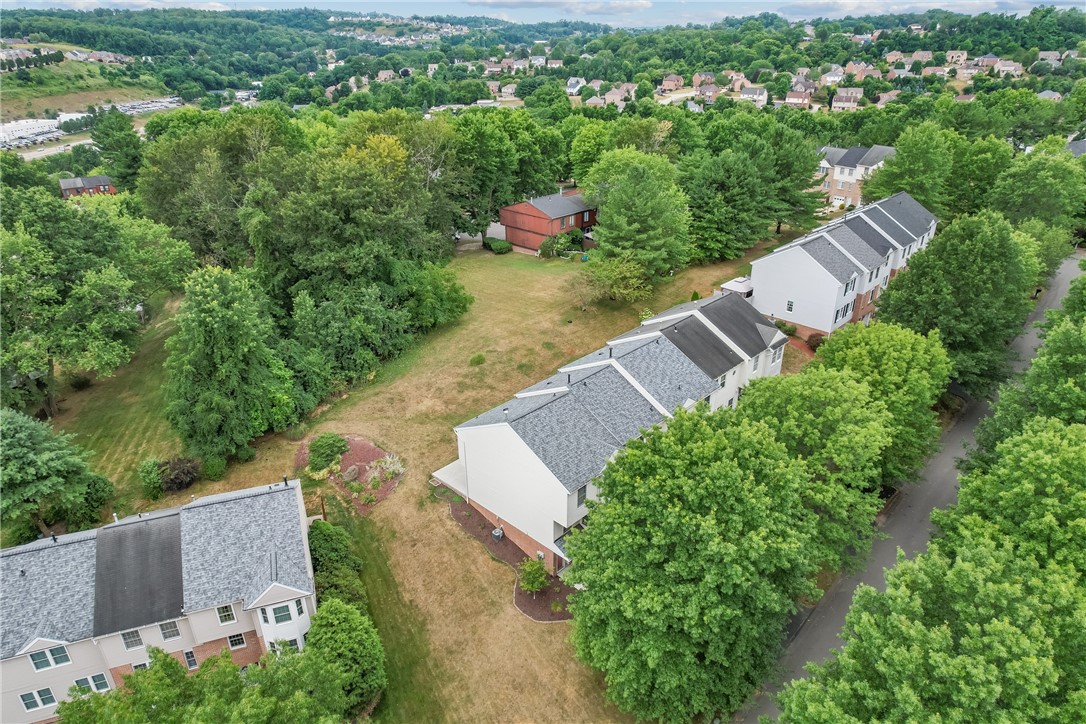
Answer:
(1050, 56)
(86, 185)
(709, 92)
(431, 68)
(988, 60)
(802, 85)
(796, 99)
(965, 97)
(862, 70)
(616, 97)
(843, 170)
(957, 57)
(834, 274)
(1049, 95)
(574, 85)
(537, 61)
(595, 84)
(529, 465)
(832, 77)
(896, 73)
(883, 98)
(595, 102)
(509, 91)
(494, 87)
(895, 56)
(694, 107)
(703, 77)
(224, 572)
(936, 70)
(672, 82)
(1008, 67)
(554, 63)
(922, 56)
(844, 103)
(384, 76)
(755, 94)
(530, 222)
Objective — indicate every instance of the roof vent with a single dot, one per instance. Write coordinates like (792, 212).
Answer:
(284, 480)
(115, 518)
(22, 571)
(505, 410)
(54, 537)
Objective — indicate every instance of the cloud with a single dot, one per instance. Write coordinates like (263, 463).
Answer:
(128, 4)
(574, 7)
(808, 9)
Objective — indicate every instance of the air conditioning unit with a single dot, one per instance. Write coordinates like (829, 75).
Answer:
(498, 533)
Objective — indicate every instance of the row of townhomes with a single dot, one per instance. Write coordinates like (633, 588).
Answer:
(228, 571)
(842, 171)
(528, 465)
(834, 274)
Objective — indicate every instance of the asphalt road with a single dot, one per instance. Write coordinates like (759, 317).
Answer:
(35, 153)
(907, 525)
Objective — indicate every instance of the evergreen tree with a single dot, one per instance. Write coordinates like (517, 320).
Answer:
(119, 146)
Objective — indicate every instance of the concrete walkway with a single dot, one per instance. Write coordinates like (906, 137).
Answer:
(908, 524)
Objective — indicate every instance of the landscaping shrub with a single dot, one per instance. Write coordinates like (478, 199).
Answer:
(214, 468)
(343, 583)
(694, 296)
(80, 382)
(325, 450)
(180, 473)
(500, 247)
(533, 575)
(87, 513)
(477, 360)
(815, 340)
(330, 547)
(150, 473)
(385, 469)
(297, 431)
(554, 246)
(789, 329)
(347, 636)
(245, 454)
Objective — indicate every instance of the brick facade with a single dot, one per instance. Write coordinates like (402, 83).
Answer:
(521, 540)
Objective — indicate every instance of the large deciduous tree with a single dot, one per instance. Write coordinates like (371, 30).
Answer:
(829, 420)
(44, 477)
(226, 384)
(972, 283)
(980, 634)
(691, 565)
(907, 372)
(1046, 186)
(642, 211)
(922, 166)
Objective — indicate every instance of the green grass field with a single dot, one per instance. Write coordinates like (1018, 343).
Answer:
(69, 86)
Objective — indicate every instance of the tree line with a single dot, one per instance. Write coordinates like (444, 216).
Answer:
(997, 603)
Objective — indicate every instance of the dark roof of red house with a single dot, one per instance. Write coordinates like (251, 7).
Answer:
(558, 205)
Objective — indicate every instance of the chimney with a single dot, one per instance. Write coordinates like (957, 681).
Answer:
(54, 537)
(115, 518)
(284, 480)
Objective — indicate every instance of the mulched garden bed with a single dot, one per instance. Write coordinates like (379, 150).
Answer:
(554, 595)
(362, 453)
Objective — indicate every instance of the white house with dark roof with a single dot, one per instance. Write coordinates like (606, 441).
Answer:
(228, 571)
(834, 274)
(529, 465)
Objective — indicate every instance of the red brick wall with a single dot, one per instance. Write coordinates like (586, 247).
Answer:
(865, 305)
(520, 539)
(254, 649)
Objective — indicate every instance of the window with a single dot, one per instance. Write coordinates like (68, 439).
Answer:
(851, 286)
(731, 402)
(790, 305)
(139, 667)
(94, 683)
(264, 615)
(778, 353)
(840, 184)
(190, 659)
(756, 361)
(132, 640)
(573, 220)
(237, 641)
(169, 630)
(299, 607)
(49, 658)
(562, 223)
(281, 614)
(582, 493)
(37, 699)
(585, 217)
(293, 644)
(226, 614)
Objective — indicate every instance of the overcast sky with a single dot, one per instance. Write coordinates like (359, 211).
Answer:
(629, 13)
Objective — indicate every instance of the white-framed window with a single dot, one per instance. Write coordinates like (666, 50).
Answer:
(132, 640)
(851, 286)
(36, 699)
(731, 402)
(790, 305)
(96, 682)
(140, 667)
(237, 641)
(226, 614)
(756, 360)
(299, 607)
(264, 615)
(190, 659)
(582, 494)
(48, 658)
(292, 643)
(585, 217)
(169, 630)
(281, 614)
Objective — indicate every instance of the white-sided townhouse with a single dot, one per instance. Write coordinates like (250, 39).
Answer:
(529, 464)
(834, 274)
(228, 571)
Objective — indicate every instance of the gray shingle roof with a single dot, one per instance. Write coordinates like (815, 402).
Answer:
(558, 205)
(226, 540)
(830, 259)
(47, 591)
(1077, 148)
(888, 225)
(859, 155)
(214, 551)
(138, 573)
(854, 246)
(702, 345)
(870, 235)
(908, 212)
(85, 182)
(668, 373)
(741, 323)
(832, 154)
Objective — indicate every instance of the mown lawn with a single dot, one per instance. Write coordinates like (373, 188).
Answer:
(70, 86)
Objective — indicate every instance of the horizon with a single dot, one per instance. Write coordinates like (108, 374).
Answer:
(616, 13)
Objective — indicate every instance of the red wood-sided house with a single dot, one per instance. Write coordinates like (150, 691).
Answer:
(530, 222)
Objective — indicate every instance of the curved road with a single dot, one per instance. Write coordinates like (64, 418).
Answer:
(908, 525)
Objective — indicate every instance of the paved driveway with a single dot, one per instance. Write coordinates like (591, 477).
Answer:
(907, 526)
